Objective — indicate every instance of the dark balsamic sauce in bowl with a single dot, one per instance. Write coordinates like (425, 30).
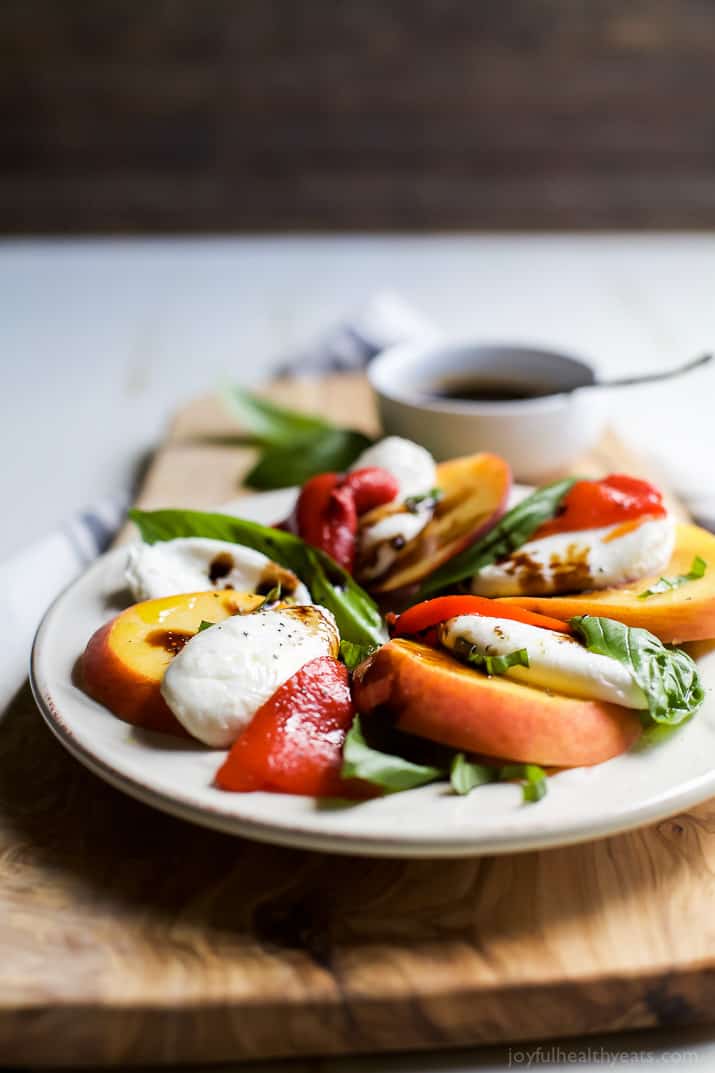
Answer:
(483, 389)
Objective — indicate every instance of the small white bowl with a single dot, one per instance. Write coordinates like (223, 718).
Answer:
(538, 436)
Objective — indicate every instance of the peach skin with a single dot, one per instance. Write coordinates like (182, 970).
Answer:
(125, 660)
(430, 694)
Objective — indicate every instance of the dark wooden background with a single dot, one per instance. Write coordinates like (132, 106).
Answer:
(167, 115)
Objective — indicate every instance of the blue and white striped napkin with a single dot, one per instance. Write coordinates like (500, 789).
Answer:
(32, 578)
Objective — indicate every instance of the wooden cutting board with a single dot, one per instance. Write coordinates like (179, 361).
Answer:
(127, 936)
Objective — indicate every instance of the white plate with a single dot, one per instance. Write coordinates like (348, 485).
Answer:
(645, 785)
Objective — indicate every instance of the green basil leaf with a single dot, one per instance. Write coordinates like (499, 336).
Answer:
(295, 445)
(358, 617)
(667, 676)
(269, 424)
(509, 533)
(352, 654)
(664, 584)
(332, 450)
(697, 568)
(273, 595)
(464, 775)
(491, 664)
(534, 782)
(391, 773)
(501, 664)
(204, 625)
(426, 501)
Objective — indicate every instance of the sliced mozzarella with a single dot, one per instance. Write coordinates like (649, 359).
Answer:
(581, 560)
(556, 661)
(412, 466)
(219, 680)
(195, 564)
(381, 543)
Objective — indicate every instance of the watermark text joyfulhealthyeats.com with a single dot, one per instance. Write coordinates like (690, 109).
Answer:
(557, 1055)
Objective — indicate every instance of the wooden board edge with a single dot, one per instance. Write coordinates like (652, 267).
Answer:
(468, 1017)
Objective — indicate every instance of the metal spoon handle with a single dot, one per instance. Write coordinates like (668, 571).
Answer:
(648, 378)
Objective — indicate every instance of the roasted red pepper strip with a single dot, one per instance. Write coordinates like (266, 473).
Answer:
(311, 506)
(431, 612)
(329, 504)
(294, 742)
(372, 487)
(593, 504)
(326, 517)
(340, 524)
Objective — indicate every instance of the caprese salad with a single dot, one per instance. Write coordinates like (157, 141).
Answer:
(402, 627)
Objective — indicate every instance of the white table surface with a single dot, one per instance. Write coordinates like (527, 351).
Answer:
(101, 340)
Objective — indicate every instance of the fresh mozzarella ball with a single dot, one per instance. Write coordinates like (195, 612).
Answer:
(195, 564)
(219, 680)
(556, 660)
(412, 466)
(381, 543)
(580, 560)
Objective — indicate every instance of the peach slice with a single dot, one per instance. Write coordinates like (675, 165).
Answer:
(125, 660)
(474, 495)
(432, 695)
(686, 613)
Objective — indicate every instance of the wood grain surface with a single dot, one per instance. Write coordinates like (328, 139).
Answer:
(129, 937)
(197, 115)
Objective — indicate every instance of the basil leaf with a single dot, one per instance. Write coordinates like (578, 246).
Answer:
(664, 584)
(391, 773)
(426, 501)
(334, 449)
(533, 778)
(501, 664)
(668, 676)
(269, 424)
(204, 625)
(353, 654)
(509, 533)
(697, 569)
(465, 775)
(394, 773)
(356, 614)
(295, 445)
(491, 664)
(272, 596)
